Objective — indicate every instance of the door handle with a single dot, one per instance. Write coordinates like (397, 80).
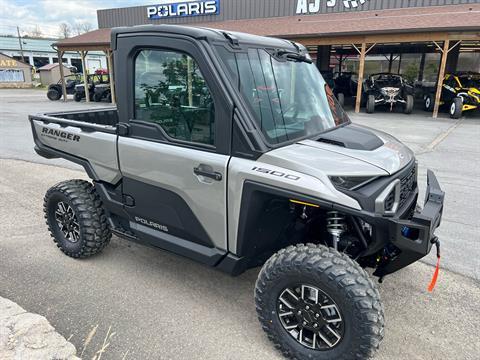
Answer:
(207, 173)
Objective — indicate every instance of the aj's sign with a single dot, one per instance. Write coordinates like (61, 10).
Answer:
(314, 6)
(182, 9)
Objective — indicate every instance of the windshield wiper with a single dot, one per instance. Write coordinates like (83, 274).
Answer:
(290, 55)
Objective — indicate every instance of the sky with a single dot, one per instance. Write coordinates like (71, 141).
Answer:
(48, 14)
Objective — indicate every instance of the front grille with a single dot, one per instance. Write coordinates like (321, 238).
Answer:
(408, 184)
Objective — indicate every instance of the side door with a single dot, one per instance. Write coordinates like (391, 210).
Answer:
(175, 155)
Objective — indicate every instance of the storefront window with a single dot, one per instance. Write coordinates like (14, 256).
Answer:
(11, 75)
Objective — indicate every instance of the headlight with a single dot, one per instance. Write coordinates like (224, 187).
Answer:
(350, 182)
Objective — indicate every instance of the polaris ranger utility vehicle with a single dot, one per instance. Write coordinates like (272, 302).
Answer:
(388, 89)
(227, 148)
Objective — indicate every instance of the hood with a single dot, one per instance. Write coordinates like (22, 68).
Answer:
(390, 154)
(365, 152)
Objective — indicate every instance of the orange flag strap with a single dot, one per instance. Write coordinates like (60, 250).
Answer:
(437, 268)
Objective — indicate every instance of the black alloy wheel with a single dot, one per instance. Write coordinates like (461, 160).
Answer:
(67, 222)
(310, 316)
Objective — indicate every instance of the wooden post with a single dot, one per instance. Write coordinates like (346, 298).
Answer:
(190, 81)
(441, 75)
(62, 74)
(360, 78)
(85, 76)
(422, 66)
(110, 73)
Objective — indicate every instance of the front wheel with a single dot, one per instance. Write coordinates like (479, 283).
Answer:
(371, 104)
(316, 303)
(409, 104)
(456, 108)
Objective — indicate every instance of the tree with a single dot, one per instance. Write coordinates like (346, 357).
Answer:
(64, 30)
(82, 27)
(86, 27)
(35, 32)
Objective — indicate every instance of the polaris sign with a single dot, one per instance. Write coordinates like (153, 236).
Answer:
(183, 9)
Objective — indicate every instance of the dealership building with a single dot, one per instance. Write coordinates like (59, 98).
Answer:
(421, 39)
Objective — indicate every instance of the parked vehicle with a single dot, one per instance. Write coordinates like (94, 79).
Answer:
(460, 92)
(388, 89)
(266, 172)
(94, 81)
(345, 85)
(102, 92)
(55, 92)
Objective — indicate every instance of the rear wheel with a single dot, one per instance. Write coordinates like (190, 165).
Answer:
(409, 104)
(456, 108)
(53, 94)
(77, 97)
(97, 97)
(316, 303)
(76, 219)
(428, 102)
(371, 104)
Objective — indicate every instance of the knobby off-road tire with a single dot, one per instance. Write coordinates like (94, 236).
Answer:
(370, 104)
(78, 203)
(428, 102)
(77, 97)
(410, 101)
(343, 285)
(456, 108)
(54, 94)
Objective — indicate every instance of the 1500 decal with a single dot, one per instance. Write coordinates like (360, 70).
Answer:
(276, 173)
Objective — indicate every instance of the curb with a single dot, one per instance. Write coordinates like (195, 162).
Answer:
(26, 336)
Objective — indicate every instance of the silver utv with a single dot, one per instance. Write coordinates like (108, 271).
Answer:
(230, 149)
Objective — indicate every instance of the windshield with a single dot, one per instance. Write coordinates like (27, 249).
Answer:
(286, 94)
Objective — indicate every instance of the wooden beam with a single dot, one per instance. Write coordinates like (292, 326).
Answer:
(372, 39)
(360, 77)
(110, 74)
(441, 75)
(85, 76)
(62, 74)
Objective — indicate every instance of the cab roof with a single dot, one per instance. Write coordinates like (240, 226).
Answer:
(209, 34)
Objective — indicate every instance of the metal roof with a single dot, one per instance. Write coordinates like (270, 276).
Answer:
(8, 43)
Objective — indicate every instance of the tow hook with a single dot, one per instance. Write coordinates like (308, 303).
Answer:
(431, 286)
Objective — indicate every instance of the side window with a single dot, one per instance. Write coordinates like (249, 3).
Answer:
(170, 91)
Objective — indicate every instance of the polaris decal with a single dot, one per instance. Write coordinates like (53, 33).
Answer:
(151, 224)
(184, 9)
(276, 173)
(59, 135)
(315, 6)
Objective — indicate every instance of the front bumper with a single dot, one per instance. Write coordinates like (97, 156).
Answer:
(414, 237)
